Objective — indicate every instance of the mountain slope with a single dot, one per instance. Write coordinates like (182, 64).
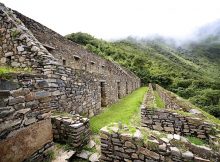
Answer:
(188, 71)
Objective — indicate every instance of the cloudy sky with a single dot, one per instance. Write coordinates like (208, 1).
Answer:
(113, 19)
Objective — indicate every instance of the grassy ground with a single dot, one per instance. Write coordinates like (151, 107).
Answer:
(196, 141)
(159, 101)
(122, 111)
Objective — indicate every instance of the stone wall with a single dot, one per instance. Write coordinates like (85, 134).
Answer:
(120, 145)
(71, 129)
(170, 121)
(25, 125)
(73, 73)
(77, 81)
(170, 101)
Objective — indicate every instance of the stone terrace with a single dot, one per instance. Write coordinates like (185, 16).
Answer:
(78, 82)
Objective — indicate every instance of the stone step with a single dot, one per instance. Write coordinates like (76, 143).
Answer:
(64, 156)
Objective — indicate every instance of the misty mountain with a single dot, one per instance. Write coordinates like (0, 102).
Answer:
(192, 71)
(209, 30)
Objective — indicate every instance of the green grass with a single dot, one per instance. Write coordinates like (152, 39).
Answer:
(122, 111)
(196, 141)
(5, 71)
(50, 156)
(158, 100)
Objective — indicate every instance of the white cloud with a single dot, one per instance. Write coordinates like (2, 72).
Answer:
(112, 19)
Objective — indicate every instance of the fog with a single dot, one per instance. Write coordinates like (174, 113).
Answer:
(116, 19)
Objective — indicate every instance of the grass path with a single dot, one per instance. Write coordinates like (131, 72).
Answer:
(120, 111)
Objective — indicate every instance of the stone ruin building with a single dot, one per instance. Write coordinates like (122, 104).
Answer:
(63, 76)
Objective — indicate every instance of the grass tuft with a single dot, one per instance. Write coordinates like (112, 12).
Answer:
(196, 141)
(5, 71)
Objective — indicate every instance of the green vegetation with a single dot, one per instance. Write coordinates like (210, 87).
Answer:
(6, 71)
(183, 113)
(122, 111)
(15, 33)
(158, 100)
(89, 149)
(64, 146)
(196, 141)
(50, 156)
(186, 105)
(193, 74)
(61, 113)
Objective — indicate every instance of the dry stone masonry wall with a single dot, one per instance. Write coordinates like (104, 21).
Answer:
(25, 125)
(173, 122)
(71, 129)
(120, 145)
(77, 82)
(26, 43)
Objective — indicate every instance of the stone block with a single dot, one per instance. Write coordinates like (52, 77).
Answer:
(41, 84)
(169, 129)
(149, 153)
(16, 100)
(5, 111)
(42, 94)
(188, 155)
(20, 92)
(157, 127)
(175, 151)
(24, 142)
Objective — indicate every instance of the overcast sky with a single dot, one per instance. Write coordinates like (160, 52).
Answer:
(113, 19)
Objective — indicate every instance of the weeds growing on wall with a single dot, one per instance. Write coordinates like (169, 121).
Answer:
(6, 71)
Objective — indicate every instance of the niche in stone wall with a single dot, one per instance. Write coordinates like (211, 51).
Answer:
(103, 94)
(92, 66)
(8, 60)
(64, 62)
(48, 47)
(76, 62)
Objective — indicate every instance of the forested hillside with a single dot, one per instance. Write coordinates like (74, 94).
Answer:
(192, 71)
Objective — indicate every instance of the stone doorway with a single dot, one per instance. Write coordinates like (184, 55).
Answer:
(103, 94)
(119, 90)
(126, 88)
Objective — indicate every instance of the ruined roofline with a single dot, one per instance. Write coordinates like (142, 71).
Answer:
(72, 44)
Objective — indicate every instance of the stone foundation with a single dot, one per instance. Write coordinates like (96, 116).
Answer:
(164, 120)
(43, 154)
(169, 121)
(25, 126)
(121, 145)
(71, 129)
